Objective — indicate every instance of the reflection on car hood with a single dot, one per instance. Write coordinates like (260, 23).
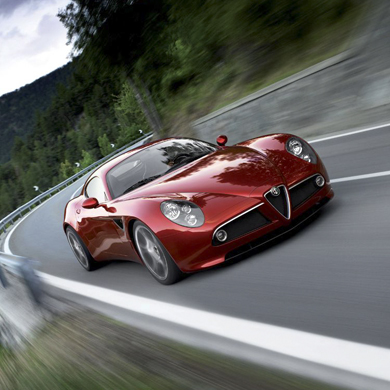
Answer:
(235, 170)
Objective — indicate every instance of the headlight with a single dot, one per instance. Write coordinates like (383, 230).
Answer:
(301, 149)
(183, 213)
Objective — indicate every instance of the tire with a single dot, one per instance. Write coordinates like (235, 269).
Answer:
(80, 250)
(156, 258)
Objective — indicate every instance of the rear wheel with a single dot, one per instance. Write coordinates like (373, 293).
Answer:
(80, 250)
(155, 257)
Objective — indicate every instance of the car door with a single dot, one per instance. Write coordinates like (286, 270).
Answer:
(101, 228)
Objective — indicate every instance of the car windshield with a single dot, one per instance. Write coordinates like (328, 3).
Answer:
(154, 162)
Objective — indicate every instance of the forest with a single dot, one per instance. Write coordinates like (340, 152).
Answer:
(18, 108)
(158, 65)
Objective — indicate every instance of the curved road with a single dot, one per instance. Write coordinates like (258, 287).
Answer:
(330, 278)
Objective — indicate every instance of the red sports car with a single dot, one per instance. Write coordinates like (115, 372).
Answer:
(181, 205)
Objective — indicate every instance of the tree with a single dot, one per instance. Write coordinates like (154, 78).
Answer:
(87, 160)
(117, 34)
(130, 116)
(104, 145)
(66, 170)
(21, 155)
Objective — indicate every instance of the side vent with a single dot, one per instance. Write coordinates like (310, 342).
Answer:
(119, 222)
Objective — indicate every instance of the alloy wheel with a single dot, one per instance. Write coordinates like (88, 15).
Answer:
(151, 252)
(77, 249)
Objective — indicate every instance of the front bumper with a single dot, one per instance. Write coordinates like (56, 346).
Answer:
(193, 249)
(278, 232)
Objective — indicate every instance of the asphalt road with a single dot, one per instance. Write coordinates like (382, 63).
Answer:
(330, 278)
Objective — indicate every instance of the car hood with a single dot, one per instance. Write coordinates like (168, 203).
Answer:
(234, 170)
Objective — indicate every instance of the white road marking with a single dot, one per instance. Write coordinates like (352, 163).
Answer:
(6, 247)
(350, 133)
(346, 355)
(360, 177)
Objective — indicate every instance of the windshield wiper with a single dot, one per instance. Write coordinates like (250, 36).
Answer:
(141, 183)
(186, 161)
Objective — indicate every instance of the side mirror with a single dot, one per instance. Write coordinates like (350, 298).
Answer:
(221, 140)
(90, 203)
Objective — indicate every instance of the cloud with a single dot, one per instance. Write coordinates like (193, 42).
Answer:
(32, 41)
(14, 33)
(8, 7)
(48, 24)
(49, 33)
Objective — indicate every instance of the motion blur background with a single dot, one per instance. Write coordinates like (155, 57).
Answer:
(196, 68)
(180, 59)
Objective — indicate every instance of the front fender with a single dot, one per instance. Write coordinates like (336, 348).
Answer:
(273, 146)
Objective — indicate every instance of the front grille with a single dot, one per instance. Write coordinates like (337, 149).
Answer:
(242, 225)
(276, 233)
(279, 202)
(303, 191)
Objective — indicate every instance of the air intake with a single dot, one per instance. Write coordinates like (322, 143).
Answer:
(239, 226)
(302, 191)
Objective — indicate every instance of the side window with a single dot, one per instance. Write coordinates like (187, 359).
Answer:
(96, 190)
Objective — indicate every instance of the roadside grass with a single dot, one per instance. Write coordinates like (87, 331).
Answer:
(84, 350)
(243, 74)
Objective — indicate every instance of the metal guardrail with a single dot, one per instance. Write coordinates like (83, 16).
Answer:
(18, 213)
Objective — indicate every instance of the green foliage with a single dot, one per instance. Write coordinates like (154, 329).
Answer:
(191, 38)
(66, 170)
(129, 115)
(79, 126)
(30, 178)
(6, 203)
(104, 145)
(117, 31)
(87, 159)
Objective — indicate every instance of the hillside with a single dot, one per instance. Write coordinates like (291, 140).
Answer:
(83, 119)
(18, 108)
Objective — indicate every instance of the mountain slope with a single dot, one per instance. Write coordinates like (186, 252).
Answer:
(18, 108)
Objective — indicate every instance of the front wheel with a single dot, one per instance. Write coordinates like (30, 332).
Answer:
(80, 250)
(155, 257)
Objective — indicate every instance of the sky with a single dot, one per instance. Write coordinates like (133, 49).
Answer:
(32, 41)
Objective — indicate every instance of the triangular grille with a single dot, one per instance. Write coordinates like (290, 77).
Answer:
(280, 202)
